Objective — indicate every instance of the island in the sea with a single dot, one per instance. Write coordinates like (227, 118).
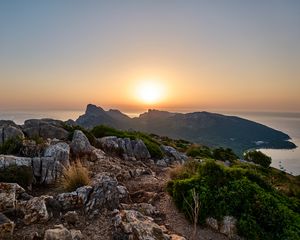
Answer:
(205, 128)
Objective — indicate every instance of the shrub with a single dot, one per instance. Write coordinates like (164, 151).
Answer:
(224, 154)
(74, 177)
(258, 157)
(199, 151)
(186, 170)
(260, 210)
(21, 175)
(11, 146)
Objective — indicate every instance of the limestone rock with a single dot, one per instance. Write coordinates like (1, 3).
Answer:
(34, 210)
(45, 128)
(12, 132)
(123, 193)
(76, 234)
(172, 154)
(71, 217)
(228, 226)
(59, 232)
(9, 192)
(80, 144)
(128, 149)
(8, 160)
(60, 152)
(6, 226)
(140, 150)
(131, 224)
(212, 223)
(105, 193)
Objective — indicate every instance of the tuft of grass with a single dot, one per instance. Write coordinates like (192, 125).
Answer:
(74, 177)
(186, 170)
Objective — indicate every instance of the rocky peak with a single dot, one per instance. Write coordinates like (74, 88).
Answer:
(92, 109)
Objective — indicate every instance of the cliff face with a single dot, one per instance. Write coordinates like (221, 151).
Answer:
(200, 127)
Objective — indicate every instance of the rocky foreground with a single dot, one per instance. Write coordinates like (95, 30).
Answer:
(125, 199)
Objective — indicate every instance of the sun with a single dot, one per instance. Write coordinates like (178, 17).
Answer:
(149, 91)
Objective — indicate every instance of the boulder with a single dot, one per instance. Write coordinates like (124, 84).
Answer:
(59, 232)
(123, 193)
(8, 160)
(45, 128)
(144, 208)
(124, 147)
(140, 150)
(9, 192)
(11, 132)
(76, 234)
(103, 193)
(131, 224)
(212, 223)
(30, 148)
(6, 226)
(80, 144)
(60, 152)
(172, 154)
(228, 226)
(71, 217)
(34, 210)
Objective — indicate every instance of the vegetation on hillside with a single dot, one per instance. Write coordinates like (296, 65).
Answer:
(11, 146)
(241, 191)
(152, 145)
(17, 174)
(258, 157)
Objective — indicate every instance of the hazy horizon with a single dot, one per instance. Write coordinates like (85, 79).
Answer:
(137, 55)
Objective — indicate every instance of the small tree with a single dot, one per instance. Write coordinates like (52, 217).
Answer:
(258, 157)
(194, 211)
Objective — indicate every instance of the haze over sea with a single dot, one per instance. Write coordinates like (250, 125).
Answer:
(288, 160)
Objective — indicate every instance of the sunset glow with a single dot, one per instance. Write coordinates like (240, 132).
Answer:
(149, 92)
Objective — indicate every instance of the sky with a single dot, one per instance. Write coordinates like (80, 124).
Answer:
(198, 55)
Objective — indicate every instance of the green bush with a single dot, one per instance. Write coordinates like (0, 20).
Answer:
(17, 174)
(261, 211)
(258, 157)
(224, 154)
(11, 146)
(199, 151)
(152, 145)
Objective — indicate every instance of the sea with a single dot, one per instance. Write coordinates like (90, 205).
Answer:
(285, 160)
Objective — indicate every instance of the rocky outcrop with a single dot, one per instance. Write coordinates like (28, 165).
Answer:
(9, 193)
(45, 128)
(81, 148)
(46, 169)
(59, 232)
(103, 193)
(128, 149)
(35, 209)
(227, 226)
(173, 155)
(80, 144)
(131, 224)
(6, 226)
(9, 130)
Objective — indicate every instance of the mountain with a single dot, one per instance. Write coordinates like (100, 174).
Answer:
(206, 128)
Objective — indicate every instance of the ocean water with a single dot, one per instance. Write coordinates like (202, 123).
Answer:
(287, 160)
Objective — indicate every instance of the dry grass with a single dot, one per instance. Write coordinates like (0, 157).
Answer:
(74, 177)
(180, 171)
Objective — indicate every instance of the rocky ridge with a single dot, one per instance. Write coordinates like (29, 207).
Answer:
(118, 202)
